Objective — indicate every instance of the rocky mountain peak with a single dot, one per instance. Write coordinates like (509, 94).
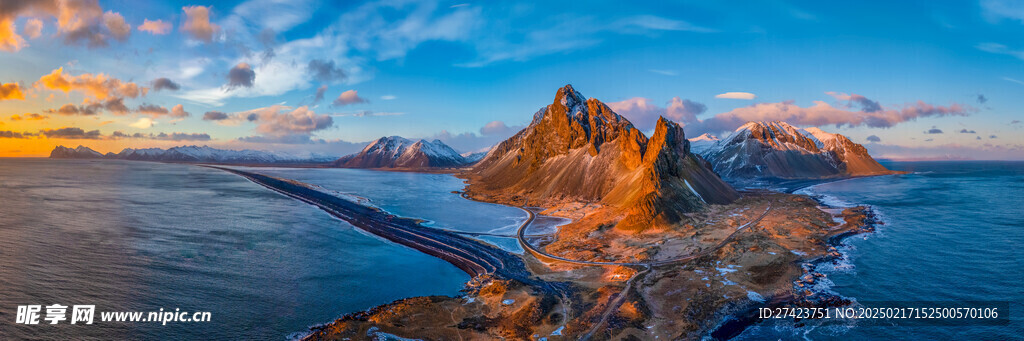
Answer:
(777, 134)
(581, 150)
(779, 150)
(400, 152)
(668, 137)
(705, 137)
(80, 152)
(571, 122)
(568, 97)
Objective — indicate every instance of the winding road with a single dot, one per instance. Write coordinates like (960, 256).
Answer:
(470, 255)
(621, 296)
(541, 254)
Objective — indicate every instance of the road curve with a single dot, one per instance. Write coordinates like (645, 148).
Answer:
(540, 254)
(470, 255)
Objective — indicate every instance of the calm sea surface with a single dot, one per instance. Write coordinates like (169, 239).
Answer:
(954, 231)
(140, 236)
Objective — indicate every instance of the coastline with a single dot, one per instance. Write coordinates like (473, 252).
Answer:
(719, 325)
(473, 257)
(735, 324)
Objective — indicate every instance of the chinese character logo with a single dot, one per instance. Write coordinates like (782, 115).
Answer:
(56, 313)
(82, 313)
(28, 314)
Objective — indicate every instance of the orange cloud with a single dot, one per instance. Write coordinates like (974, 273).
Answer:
(349, 97)
(821, 114)
(71, 133)
(77, 21)
(10, 10)
(871, 113)
(9, 40)
(85, 21)
(99, 86)
(155, 26)
(197, 23)
(29, 116)
(178, 111)
(7, 134)
(11, 91)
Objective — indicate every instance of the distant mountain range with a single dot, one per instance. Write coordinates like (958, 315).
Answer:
(578, 149)
(192, 154)
(400, 152)
(779, 150)
(701, 143)
(82, 152)
(386, 152)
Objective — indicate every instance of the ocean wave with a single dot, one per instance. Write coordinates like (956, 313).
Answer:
(841, 264)
(824, 199)
(818, 270)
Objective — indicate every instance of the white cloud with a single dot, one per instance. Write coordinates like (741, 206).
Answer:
(652, 22)
(994, 10)
(1000, 49)
(277, 15)
(1008, 79)
(737, 95)
(143, 123)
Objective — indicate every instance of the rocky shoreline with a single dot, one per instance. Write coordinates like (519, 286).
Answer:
(528, 298)
(482, 313)
(734, 324)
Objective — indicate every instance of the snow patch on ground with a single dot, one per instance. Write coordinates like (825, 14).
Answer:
(694, 191)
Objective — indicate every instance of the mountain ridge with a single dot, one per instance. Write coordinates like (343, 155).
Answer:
(578, 149)
(193, 153)
(776, 149)
(80, 152)
(400, 152)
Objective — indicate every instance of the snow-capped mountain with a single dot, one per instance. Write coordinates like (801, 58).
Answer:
(579, 150)
(701, 143)
(779, 150)
(472, 157)
(81, 152)
(399, 152)
(208, 154)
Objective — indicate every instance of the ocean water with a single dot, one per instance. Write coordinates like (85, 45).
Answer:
(140, 236)
(412, 195)
(954, 231)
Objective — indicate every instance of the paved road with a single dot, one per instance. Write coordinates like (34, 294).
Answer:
(621, 296)
(537, 252)
(470, 255)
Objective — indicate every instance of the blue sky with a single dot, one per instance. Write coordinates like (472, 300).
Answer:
(472, 73)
